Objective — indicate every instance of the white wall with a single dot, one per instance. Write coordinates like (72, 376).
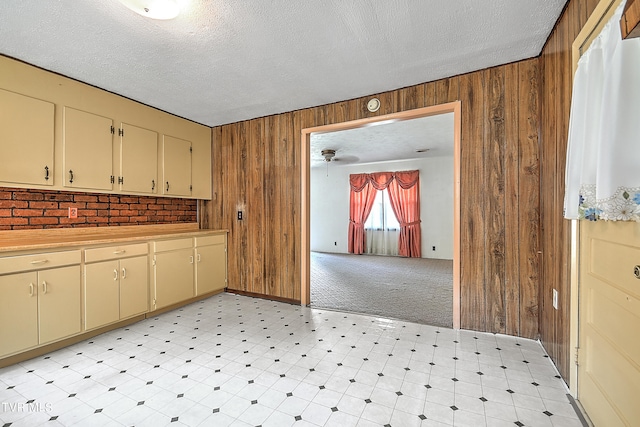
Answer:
(330, 204)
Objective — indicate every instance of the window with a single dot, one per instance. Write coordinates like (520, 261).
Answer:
(382, 216)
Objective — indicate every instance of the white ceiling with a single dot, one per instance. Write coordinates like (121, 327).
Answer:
(386, 141)
(225, 61)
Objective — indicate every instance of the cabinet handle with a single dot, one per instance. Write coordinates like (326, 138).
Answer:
(30, 289)
(636, 271)
(124, 273)
(39, 261)
(191, 259)
(199, 258)
(119, 252)
(115, 274)
(44, 287)
(46, 173)
(153, 184)
(70, 176)
(167, 186)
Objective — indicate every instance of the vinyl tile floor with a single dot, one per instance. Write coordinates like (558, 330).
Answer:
(238, 361)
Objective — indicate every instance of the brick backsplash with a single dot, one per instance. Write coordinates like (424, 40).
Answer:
(24, 209)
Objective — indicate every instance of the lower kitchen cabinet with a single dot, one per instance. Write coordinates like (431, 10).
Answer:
(172, 272)
(41, 306)
(211, 263)
(115, 289)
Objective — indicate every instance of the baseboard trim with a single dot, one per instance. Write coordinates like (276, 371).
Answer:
(263, 296)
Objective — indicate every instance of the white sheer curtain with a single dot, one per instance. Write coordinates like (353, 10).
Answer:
(382, 242)
(602, 179)
(382, 229)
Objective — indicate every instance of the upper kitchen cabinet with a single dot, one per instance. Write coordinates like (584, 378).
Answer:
(176, 166)
(201, 169)
(138, 160)
(26, 139)
(50, 124)
(88, 150)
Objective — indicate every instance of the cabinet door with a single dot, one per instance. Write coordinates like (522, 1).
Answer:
(176, 170)
(134, 285)
(201, 170)
(211, 268)
(58, 303)
(26, 139)
(101, 294)
(138, 160)
(88, 150)
(18, 312)
(173, 277)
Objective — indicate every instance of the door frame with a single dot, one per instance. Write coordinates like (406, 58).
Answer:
(305, 179)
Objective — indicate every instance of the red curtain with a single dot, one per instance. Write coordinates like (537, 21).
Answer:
(404, 195)
(361, 198)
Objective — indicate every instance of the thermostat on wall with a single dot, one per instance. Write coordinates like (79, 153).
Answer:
(373, 105)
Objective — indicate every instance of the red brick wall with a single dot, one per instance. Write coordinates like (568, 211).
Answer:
(22, 209)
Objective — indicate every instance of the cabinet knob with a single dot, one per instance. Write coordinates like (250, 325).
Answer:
(636, 271)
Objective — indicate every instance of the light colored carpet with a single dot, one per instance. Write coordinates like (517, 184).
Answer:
(411, 289)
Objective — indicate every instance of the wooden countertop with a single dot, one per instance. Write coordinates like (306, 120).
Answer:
(28, 240)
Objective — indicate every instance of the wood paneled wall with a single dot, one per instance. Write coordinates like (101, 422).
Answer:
(557, 77)
(257, 169)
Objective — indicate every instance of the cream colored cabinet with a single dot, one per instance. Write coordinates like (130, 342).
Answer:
(26, 139)
(211, 263)
(201, 170)
(176, 166)
(38, 305)
(18, 312)
(172, 272)
(87, 150)
(138, 160)
(116, 281)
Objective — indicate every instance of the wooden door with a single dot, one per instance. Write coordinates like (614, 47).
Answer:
(26, 139)
(134, 285)
(101, 294)
(176, 170)
(173, 277)
(58, 303)
(138, 160)
(609, 353)
(18, 312)
(88, 150)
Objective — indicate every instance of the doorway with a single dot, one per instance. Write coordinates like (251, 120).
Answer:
(305, 252)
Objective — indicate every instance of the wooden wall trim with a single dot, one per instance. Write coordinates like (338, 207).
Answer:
(305, 230)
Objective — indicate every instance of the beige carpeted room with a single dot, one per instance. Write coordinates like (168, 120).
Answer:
(379, 282)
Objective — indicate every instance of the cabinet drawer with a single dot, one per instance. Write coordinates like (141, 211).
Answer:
(210, 240)
(14, 264)
(114, 252)
(172, 245)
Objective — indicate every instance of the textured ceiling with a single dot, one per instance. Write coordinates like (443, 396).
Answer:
(385, 142)
(224, 61)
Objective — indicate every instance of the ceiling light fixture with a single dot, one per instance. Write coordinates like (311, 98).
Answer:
(154, 9)
(328, 155)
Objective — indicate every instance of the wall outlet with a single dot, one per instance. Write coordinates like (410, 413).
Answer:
(239, 215)
(335, 243)
(555, 299)
(433, 248)
(73, 212)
